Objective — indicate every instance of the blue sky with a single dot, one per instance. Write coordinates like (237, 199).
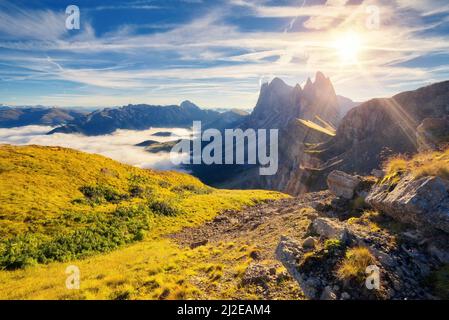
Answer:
(216, 53)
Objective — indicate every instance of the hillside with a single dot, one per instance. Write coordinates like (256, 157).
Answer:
(165, 235)
(58, 205)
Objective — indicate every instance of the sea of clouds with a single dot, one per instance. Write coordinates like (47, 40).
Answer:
(118, 146)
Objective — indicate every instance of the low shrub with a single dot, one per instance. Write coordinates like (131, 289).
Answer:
(164, 208)
(439, 282)
(355, 263)
(101, 193)
(103, 234)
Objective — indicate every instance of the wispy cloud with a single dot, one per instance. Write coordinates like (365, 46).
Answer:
(212, 59)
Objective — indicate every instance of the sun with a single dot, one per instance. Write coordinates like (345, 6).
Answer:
(348, 46)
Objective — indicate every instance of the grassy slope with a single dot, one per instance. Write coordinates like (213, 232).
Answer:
(40, 185)
(434, 163)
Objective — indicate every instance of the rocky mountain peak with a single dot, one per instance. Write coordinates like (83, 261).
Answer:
(309, 85)
(188, 105)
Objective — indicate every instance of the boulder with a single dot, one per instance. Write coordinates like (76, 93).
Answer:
(329, 229)
(342, 184)
(289, 252)
(422, 202)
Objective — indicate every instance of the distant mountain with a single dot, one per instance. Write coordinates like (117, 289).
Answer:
(24, 116)
(279, 107)
(369, 133)
(346, 104)
(139, 117)
(229, 119)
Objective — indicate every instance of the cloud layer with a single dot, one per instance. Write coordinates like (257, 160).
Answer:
(118, 146)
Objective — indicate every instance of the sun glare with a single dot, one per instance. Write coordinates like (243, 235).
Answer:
(348, 47)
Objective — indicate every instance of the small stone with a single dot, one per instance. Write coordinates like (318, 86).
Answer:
(328, 294)
(385, 259)
(198, 244)
(397, 285)
(309, 243)
(233, 221)
(255, 255)
(345, 296)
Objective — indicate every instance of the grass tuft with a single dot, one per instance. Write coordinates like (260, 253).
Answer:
(355, 263)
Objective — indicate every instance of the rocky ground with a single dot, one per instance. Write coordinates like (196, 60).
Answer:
(330, 242)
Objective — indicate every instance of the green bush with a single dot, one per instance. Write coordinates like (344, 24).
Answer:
(104, 233)
(332, 244)
(101, 193)
(165, 208)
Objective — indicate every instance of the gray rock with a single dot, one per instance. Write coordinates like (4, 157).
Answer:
(329, 229)
(328, 294)
(422, 202)
(342, 184)
(378, 173)
(288, 252)
(345, 296)
(308, 243)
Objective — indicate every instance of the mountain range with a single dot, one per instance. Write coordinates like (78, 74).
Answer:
(355, 137)
(365, 135)
(140, 117)
(23, 116)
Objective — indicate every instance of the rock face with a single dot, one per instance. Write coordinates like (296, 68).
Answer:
(342, 184)
(432, 132)
(422, 202)
(379, 128)
(402, 268)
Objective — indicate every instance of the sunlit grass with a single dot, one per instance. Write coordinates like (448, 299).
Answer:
(355, 263)
(421, 165)
(40, 185)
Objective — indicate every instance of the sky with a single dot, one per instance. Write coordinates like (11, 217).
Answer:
(216, 53)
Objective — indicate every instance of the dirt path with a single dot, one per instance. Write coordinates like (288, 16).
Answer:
(261, 228)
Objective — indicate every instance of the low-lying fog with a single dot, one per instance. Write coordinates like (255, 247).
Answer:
(118, 146)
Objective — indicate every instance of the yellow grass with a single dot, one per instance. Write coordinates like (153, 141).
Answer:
(355, 263)
(38, 184)
(423, 164)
